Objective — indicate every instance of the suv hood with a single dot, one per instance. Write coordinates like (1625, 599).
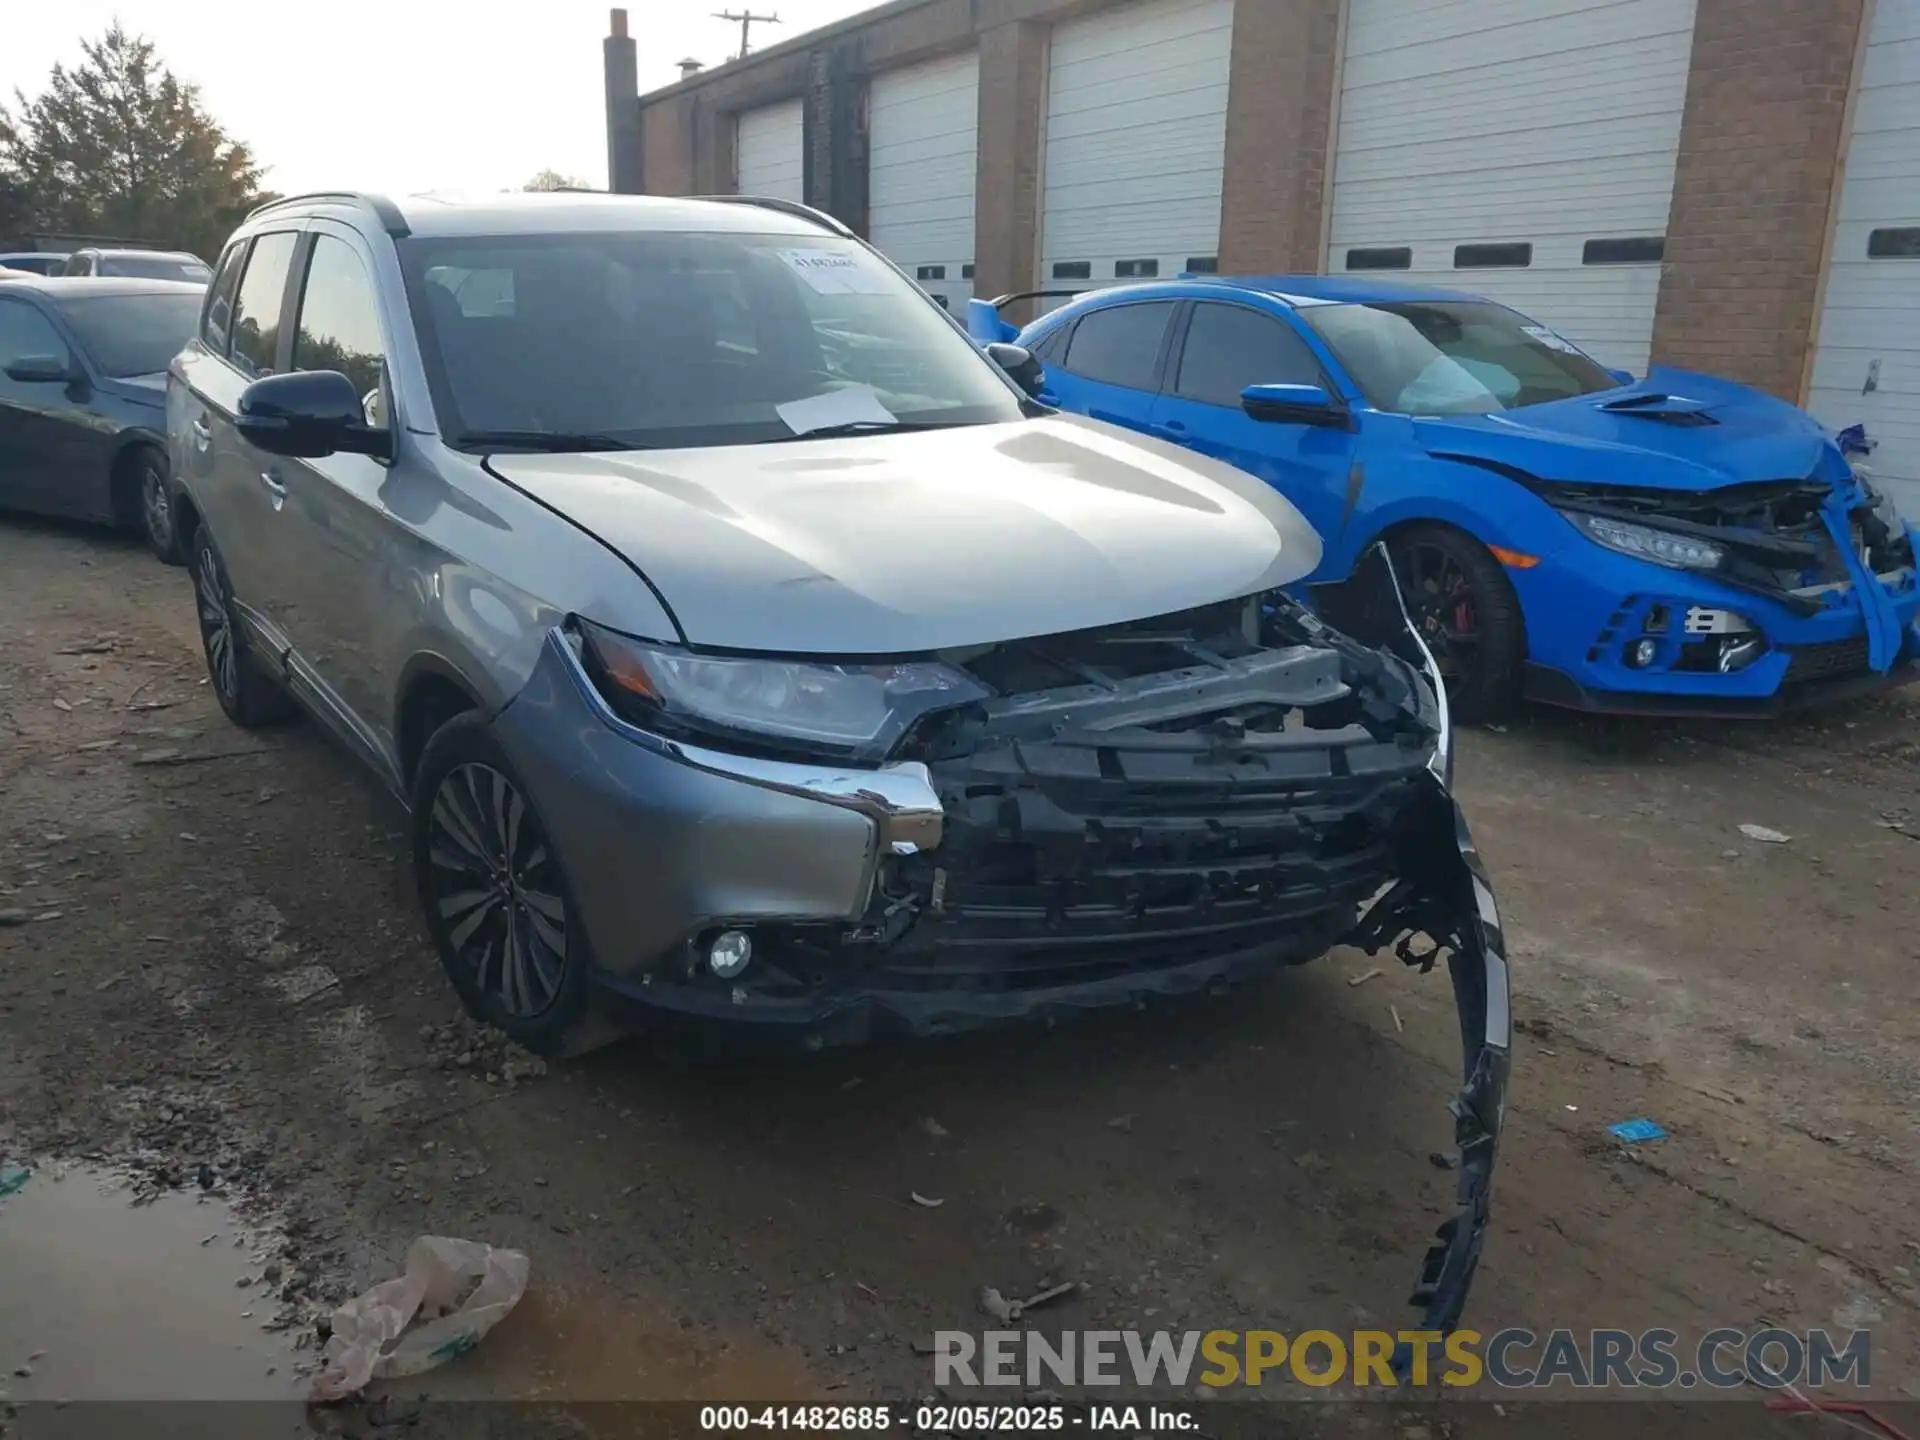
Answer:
(1599, 440)
(925, 540)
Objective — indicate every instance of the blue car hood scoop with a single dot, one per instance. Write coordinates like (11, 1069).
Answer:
(1672, 431)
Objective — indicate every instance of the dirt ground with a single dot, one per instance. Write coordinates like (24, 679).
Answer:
(214, 978)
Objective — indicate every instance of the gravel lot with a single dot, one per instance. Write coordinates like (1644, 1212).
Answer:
(212, 960)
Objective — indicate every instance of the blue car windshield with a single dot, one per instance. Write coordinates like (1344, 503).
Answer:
(1452, 357)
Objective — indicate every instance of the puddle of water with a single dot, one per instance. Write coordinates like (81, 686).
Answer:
(126, 1302)
(563, 1347)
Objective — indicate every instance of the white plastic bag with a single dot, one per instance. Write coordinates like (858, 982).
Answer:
(459, 1290)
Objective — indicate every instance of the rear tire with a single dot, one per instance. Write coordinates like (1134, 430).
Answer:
(496, 897)
(1463, 605)
(245, 691)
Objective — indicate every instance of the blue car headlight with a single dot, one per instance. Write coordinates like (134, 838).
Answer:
(1647, 542)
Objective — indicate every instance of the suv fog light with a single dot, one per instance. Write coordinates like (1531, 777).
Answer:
(1642, 653)
(729, 953)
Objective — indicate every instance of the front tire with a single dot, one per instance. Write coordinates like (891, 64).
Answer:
(157, 520)
(1460, 600)
(496, 896)
(245, 691)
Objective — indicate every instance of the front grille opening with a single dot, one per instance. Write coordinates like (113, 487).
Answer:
(1115, 652)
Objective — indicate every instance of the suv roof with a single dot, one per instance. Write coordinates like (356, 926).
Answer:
(516, 212)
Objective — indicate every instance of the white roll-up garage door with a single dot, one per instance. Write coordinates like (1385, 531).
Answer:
(1866, 369)
(1522, 149)
(1135, 142)
(770, 151)
(922, 146)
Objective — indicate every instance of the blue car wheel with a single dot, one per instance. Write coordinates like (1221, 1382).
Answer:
(1465, 609)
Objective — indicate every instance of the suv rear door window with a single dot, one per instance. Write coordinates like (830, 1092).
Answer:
(256, 309)
(1119, 346)
(1230, 347)
(219, 317)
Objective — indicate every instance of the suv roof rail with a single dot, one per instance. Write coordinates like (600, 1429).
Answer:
(384, 210)
(785, 207)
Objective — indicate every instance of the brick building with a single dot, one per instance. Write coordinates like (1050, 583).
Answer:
(1728, 185)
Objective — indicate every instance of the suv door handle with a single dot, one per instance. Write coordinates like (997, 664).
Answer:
(1170, 430)
(202, 433)
(275, 487)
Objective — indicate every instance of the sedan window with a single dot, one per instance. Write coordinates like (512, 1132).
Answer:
(656, 339)
(1230, 347)
(1453, 357)
(1119, 346)
(25, 331)
(132, 334)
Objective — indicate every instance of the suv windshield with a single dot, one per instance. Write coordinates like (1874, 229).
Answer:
(132, 334)
(663, 339)
(156, 267)
(1453, 357)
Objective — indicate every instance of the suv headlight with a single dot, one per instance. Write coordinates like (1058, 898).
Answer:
(1645, 542)
(847, 711)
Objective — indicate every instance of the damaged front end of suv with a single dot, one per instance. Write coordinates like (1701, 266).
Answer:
(1065, 823)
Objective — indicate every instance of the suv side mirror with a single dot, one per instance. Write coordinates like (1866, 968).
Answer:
(1022, 367)
(307, 414)
(41, 370)
(1295, 405)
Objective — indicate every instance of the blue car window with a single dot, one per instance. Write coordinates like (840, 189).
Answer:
(1120, 346)
(1230, 347)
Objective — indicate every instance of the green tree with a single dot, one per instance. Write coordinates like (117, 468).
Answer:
(119, 146)
(554, 180)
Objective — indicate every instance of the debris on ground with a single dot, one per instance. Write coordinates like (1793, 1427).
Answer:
(1122, 1123)
(481, 1050)
(14, 917)
(1764, 835)
(927, 1201)
(457, 1289)
(934, 1128)
(1008, 1312)
(1636, 1129)
(1365, 975)
(13, 1179)
(1440, 1160)
(1398, 1023)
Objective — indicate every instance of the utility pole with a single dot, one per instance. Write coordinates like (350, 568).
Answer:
(747, 19)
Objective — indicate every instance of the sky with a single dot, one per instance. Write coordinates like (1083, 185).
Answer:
(399, 96)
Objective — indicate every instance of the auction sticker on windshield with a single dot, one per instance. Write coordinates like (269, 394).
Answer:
(832, 273)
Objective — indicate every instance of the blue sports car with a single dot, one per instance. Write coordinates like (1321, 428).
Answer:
(1562, 532)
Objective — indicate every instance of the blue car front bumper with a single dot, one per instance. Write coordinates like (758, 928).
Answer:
(1590, 611)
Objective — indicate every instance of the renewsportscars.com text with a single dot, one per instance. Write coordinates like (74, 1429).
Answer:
(1514, 1359)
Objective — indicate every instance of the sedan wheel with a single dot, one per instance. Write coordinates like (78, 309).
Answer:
(495, 891)
(156, 511)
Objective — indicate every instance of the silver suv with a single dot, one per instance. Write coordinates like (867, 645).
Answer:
(749, 645)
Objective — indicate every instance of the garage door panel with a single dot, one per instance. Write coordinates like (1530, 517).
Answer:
(922, 154)
(1136, 136)
(770, 151)
(1552, 122)
(1871, 311)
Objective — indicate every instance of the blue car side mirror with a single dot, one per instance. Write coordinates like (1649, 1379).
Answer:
(1625, 377)
(985, 325)
(1295, 405)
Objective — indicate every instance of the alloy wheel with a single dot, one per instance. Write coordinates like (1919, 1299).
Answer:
(1440, 600)
(495, 890)
(157, 508)
(216, 626)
